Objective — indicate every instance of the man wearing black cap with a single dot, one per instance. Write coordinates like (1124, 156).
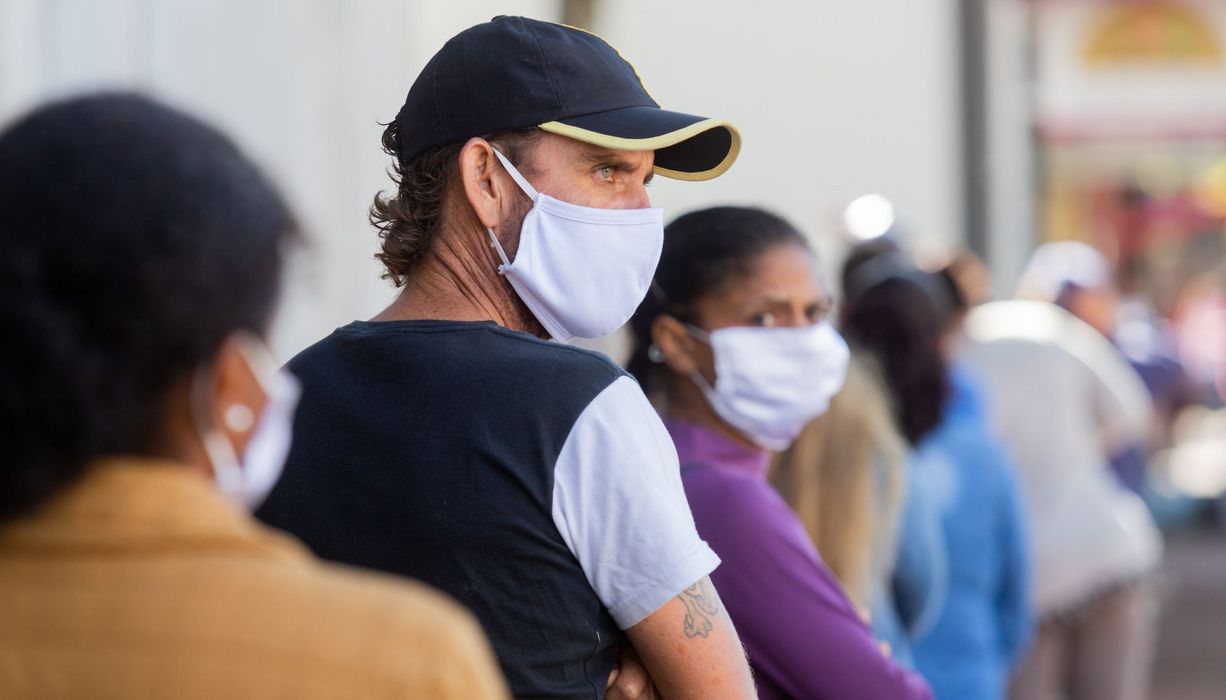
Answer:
(453, 438)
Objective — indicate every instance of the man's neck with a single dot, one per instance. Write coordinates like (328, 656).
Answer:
(458, 280)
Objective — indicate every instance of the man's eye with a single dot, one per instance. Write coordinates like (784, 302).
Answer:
(605, 172)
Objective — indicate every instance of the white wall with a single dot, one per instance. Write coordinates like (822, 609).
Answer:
(301, 84)
(834, 99)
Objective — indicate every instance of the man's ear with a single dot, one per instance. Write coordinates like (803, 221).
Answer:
(485, 183)
(681, 351)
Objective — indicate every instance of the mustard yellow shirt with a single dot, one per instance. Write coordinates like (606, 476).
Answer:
(141, 581)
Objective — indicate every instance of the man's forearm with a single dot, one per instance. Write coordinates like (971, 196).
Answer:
(691, 648)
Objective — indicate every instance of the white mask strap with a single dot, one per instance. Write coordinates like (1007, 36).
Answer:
(260, 360)
(220, 452)
(227, 466)
(498, 247)
(698, 333)
(705, 386)
(528, 190)
(519, 179)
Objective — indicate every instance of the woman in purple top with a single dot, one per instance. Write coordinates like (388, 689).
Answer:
(734, 344)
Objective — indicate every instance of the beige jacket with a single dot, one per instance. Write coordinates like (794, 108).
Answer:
(140, 581)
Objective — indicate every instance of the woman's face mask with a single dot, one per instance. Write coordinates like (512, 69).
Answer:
(248, 480)
(770, 382)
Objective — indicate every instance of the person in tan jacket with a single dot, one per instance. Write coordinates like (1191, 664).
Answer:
(141, 417)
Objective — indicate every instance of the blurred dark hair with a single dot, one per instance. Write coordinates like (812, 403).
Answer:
(882, 248)
(946, 279)
(704, 252)
(890, 313)
(408, 221)
(133, 240)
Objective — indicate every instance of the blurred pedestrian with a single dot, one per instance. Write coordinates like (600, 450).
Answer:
(908, 603)
(142, 415)
(1079, 279)
(1063, 398)
(902, 316)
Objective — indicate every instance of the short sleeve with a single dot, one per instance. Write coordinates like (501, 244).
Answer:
(620, 507)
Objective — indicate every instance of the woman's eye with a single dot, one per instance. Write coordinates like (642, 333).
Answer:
(605, 172)
(763, 319)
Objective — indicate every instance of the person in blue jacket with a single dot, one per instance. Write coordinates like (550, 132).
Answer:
(986, 621)
(962, 471)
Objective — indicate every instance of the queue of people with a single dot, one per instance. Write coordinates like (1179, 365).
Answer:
(785, 494)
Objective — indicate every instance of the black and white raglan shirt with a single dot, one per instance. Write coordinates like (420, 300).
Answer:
(530, 480)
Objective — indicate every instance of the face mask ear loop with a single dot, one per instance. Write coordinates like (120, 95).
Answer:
(220, 452)
(703, 337)
(698, 333)
(259, 360)
(517, 177)
(704, 385)
(528, 190)
(502, 269)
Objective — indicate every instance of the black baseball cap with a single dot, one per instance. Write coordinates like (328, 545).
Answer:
(515, 73)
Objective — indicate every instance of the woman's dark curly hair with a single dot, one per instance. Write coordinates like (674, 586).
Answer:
(133, 240)
(409, 220)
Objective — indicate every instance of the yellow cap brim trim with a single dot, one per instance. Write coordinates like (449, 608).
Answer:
(655, 143)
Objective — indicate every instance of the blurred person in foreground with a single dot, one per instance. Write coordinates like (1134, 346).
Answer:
(142, 415)
(735, 345)
(454, 439)
(1064, 399)
(902, 316)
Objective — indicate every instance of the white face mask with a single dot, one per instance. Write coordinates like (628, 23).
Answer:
(581, 271)
(770, 382)
(248, 481)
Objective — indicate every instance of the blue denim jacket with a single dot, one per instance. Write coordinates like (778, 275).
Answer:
(986, 620)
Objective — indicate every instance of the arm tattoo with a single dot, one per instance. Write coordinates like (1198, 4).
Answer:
(701, 604)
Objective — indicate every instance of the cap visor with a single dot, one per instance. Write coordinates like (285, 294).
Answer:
(687, 147)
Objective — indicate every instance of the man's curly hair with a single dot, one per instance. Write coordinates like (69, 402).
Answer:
(409, 220)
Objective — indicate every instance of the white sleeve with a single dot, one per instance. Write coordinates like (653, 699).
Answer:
(620, 507)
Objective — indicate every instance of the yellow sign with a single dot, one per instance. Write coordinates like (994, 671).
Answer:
(1151, 33)
(1211, 190)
